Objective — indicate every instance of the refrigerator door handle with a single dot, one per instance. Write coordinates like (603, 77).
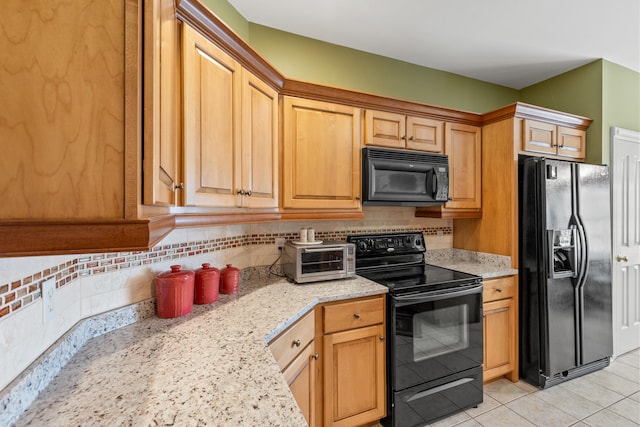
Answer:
(583, 254)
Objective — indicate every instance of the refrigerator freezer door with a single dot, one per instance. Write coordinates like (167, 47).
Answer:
(559, 303)
(596, 291)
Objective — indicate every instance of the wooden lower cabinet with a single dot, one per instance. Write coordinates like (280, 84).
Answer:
(333, 359)
(500, 328)
(353, 362)
(354, 376)
(300, 375)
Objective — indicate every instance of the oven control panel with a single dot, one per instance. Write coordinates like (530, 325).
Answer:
(374, 245)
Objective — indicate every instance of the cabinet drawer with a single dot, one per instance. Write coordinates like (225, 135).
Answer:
(500, 288)
(353, 314)
(292, 341)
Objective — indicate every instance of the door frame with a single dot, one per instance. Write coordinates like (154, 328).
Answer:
(617, 134)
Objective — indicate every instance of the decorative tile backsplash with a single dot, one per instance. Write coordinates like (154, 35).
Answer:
(20, 293)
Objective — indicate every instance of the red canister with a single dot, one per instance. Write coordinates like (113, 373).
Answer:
(174, 292)
(206, 284)
(229, 278)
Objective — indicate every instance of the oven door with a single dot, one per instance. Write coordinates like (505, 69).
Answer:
(435, 334)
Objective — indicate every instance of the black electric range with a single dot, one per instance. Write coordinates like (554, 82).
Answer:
(434, 329)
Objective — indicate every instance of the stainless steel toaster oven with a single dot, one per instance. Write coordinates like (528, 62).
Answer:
(304, 263)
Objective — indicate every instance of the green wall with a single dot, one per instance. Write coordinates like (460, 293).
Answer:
(620, 104)
(307, 59)
(230, 16)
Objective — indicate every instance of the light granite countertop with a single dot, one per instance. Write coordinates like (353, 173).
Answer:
(479, 263)
(211, 367)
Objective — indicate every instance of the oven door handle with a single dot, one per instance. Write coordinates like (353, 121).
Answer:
(403, 300)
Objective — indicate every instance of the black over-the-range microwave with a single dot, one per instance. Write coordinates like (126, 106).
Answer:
(404, 178)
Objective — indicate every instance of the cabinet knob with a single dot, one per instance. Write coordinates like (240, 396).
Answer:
(315, 356)
(411, 138)
(356, 315)
(249, 193)
(357, 197)
(621, 258)
(240, 192)
(177, 187)
(381, 338)
(296, 343)
(404, 137)
(498, 289)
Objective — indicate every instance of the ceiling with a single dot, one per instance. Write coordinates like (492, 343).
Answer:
(514, 43)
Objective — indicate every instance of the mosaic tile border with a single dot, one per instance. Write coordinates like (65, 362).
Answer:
(16, 295)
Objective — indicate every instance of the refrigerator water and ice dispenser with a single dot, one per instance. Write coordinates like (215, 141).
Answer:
(563, 254)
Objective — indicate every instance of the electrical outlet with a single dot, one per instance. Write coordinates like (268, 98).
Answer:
(48, 297)
(279, 243)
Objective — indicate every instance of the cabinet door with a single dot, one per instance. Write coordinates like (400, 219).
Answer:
(571, 142)
(424, 134)
(162, 103)
(354, 376)
(211, 85)
(499, 338)
(321, 155)
(385, 129)
(462, 145)
(300, 375)
(539, 137)
(259, 143)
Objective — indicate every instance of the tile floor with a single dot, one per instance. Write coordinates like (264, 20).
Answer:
(607, 398)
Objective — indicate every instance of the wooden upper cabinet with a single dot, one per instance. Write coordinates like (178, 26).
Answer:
(162, 130)
(548, 138)
(385, 129)
(572, 142)
(259, 166)
(63, 115)
(321, 155)
(230, 130)
(212, 91)
(463, 147)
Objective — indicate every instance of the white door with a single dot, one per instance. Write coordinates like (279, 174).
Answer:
(625, 183)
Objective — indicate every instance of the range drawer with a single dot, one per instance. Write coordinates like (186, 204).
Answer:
(500, 288)
(292, 341)
(353, 314)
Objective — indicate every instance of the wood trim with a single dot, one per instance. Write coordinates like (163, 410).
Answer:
(28, 237)
(533, 112)
(209, 25)
(190, 220)
(441, 212)
(319, 216)
(352, 98)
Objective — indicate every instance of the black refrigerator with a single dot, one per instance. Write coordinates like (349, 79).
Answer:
(564, 270)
